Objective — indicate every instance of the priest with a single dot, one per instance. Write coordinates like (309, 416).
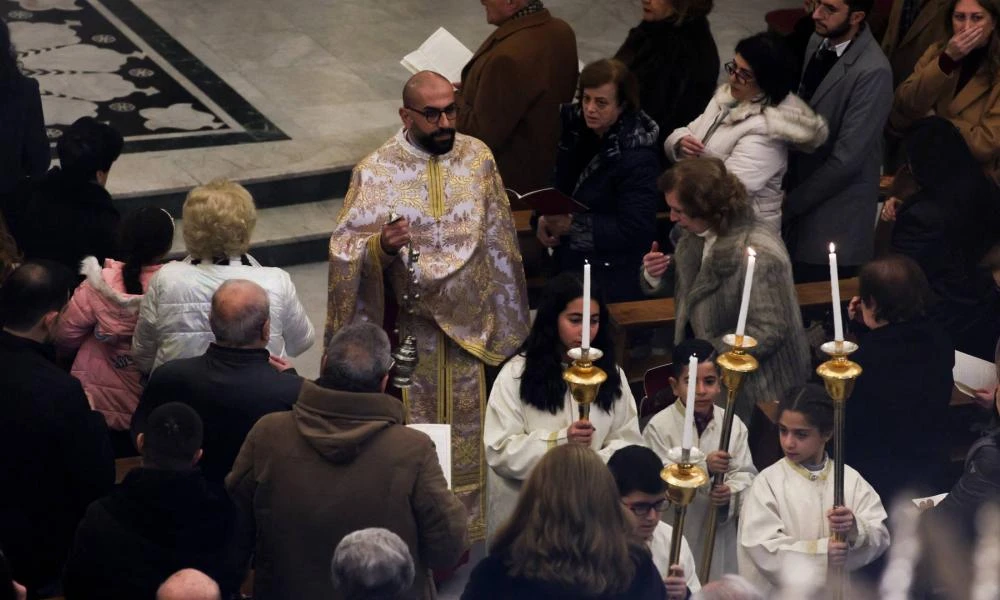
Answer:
(439, 193)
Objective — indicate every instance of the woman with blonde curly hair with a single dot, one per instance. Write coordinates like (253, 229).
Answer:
(218, 220)
(710, 206)
(569, 537)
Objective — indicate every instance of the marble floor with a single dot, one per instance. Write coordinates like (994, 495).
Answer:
(326, 73)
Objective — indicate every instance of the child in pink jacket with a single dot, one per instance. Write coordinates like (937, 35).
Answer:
(100, 317)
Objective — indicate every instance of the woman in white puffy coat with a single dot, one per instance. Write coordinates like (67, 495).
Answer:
(218, 220)
(752, 121)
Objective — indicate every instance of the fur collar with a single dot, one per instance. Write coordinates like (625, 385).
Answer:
(792, 120)
(90, 269)
(721, 263)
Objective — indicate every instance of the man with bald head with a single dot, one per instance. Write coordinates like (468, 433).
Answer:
(432, 190)
(234, 383)
(189, 584)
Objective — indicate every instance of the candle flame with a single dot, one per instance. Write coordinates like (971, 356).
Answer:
(833, 248)
(751, 251)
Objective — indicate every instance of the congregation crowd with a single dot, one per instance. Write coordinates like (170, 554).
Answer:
(870, 128)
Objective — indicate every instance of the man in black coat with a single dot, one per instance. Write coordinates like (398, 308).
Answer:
(56, 452)
(233, 384)
(164, 517)
(67, 214)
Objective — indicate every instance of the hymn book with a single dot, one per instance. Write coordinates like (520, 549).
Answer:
(441, 436)
(971, 374)
(442, 53)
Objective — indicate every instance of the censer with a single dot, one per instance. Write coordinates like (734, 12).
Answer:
(405, 356)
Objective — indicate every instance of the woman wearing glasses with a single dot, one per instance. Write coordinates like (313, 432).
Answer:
(530, 409)
(751, 121)
(607, 160)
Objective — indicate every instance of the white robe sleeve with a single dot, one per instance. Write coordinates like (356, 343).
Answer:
(656, 435)
(870, 516)
(624, 429)
(763, 536)
(741, 468)
(511, 450)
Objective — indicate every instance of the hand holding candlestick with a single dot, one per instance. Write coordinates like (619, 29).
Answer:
(584, 378)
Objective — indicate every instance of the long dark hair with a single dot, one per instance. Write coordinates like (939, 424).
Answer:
(773, 64)
(146, 235)
(542, 385)
(8, 59)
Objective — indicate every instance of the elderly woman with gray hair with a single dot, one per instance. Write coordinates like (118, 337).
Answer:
(218, 220)
(372, 564)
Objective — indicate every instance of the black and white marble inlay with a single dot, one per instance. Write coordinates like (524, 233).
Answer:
(106, 59)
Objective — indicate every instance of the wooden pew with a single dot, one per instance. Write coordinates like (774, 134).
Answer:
(660, 312)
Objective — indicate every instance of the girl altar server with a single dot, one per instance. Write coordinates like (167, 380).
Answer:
(789, 508)
(665, 430)
(530, 409)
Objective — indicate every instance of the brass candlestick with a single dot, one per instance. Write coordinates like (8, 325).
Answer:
(683, 478)
(839, 375)
(584, 378)
(406, 356)
(735, 365)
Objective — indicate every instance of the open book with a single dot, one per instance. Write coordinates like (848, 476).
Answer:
(442, 53)
(547, 201)
(971, 374)
(441, 436)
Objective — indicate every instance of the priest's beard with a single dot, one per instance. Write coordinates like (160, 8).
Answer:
(439, 141)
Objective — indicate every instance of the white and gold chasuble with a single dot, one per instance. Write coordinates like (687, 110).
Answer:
(473, 307)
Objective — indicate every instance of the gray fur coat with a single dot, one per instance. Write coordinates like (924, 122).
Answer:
(707, 297)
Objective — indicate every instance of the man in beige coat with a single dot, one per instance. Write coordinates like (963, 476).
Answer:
(512, 87)
(342, 460)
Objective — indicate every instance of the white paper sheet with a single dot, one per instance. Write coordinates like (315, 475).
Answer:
(934, 499)
(441, 52)
(441, 436)
(971, 374)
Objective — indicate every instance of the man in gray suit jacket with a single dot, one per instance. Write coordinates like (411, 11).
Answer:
(833, 193)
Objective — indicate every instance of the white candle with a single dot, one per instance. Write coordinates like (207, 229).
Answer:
(741, 323)
(688, 439)
(838, 326)
(586, 306)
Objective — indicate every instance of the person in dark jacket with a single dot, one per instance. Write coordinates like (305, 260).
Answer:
(232, 385)
(67, 214)
(24, 147)
(673, 54)
(57, 455)
(567, 538)
(895, 414)
(162, 518)
(607, 161)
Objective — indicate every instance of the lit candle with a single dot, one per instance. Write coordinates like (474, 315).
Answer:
(838, 326)
(585, 344)
(741, 323)
(688, 439)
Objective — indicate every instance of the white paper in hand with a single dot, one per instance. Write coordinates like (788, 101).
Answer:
(441, 436)
(971, 374)
(935, 500)
(442, 53)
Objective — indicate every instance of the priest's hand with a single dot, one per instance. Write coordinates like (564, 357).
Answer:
(718, 462)
(394, 236)
(842, 521)
(545, 235)
(580, 432)
(836, 553)
(676, 583)
(720, 494)
(655, 262)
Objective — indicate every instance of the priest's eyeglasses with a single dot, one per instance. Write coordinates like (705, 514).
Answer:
(641, 509)
(741, 75)
(433, 115)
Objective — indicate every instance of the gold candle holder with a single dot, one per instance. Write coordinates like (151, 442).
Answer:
(735, 365)
(584, 378)
(683, 479)
(839, 375)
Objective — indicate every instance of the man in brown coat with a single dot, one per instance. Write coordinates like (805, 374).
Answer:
(512, 87)
(912, 27)
(340, 461)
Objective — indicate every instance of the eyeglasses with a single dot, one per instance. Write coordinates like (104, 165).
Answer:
(741, 75)
(641, 509)
(433, 115)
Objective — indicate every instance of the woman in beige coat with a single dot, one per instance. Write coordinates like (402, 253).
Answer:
(957, 79)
